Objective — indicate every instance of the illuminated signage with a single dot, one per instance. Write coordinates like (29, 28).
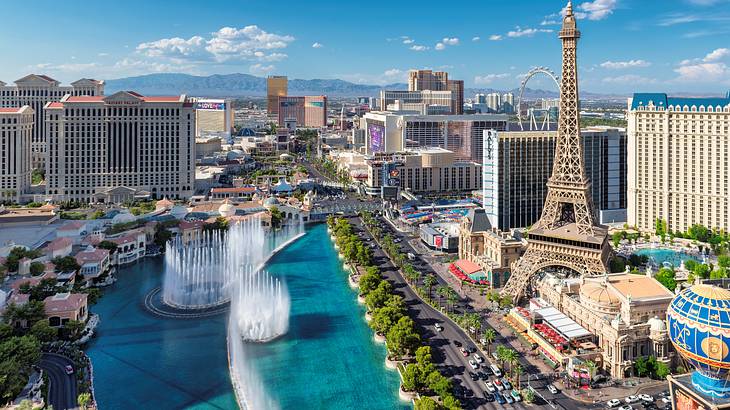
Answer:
(377, 137)
(207, 105)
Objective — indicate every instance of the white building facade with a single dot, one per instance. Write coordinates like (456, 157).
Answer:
(120, 147)
(678, 152)
(16, 133)
(36, 91)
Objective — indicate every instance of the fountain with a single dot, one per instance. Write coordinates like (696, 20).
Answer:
(260, 307)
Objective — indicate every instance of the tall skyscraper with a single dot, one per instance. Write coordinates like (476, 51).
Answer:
(307, 111)
(494, 102)
(457, 94)
(508, 103)
(35, 90)
(276, 86)
(678, 151)
(419, 80)
(213, 117)
(120, 147)
(16, 134)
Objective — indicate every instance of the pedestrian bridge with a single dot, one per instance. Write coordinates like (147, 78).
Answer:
(319, 212)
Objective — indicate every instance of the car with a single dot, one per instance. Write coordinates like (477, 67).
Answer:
(495, 355)
(507, 384)
(508, 398)
(498, 384)
(487, 370)
(474, 365)
(646, 397)
(69, 370)
(490, 387)
(483, 375)
(457, 343)
(626, 407)
(552, 389)
(474, 376)
(666, 400)
(464, 352)
(665, 393)
(478, 358)
(648, 405)
(495, 370)
(499, 398)
(613, 403)
(489, 397)
(438, 327)
(516, 395)
(472, 349)
(632, 399)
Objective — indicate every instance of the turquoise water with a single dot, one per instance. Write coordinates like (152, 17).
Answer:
(666, 255)
(327, 360)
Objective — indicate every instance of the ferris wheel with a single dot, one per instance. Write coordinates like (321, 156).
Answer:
(533, 72)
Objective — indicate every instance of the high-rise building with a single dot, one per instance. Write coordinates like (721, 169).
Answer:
(120, 147)
(678, 150)
(461, 134)
(35, 90)
(16, 134)
(213, 117)
(480, 98)
(508, 103)
(517, 166)
(494, 102)
(276, 86)
(420, 80)
(308, 111)
(457, 93)
(422, 102)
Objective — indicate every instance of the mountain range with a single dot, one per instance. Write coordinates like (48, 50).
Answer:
(246, 85)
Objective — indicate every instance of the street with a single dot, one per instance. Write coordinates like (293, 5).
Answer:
(62, 389)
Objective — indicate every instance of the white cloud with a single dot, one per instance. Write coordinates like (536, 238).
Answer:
(717, 54)
(260, 69)
(527, 32)
(68, 67)
(706, 2)
(495, 37)
(617, 65)
(440, 46)
(408, 41)
(228, 43)
(390, 76)
(476, 38)
(549, 22)
(317, 45)
(489, 78)
(629, 79)
(704, 73)
(453, 41)
(418, 48)
(103, 54)
(593, 10)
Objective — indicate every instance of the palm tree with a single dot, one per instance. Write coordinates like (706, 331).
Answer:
(518, 371)
(591, 366)
(501, 354)
(452, 297)
(429, 281)
(489, 336)
(512, 358)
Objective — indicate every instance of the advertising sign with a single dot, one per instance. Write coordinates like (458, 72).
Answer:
(683, 401)
(438, 241)
(317, 104)
(377, 137)
(490, 175)
(210, 105)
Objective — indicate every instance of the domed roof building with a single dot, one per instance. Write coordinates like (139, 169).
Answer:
(270, 201)
(123, 217)
(699, 328)
(227, 209)
(597, 296)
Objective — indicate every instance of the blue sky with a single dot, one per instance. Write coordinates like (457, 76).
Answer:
(627, 45)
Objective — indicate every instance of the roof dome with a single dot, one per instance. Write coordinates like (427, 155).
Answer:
(227, 209)
(123, 217)
(596, 295)
(270, 201)
(699, 328)
(657, 325)
(179, 211)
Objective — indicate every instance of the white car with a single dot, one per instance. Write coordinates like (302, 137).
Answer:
(490, 387)
(474, 365)
(613, 403)
(647, 398)
(666, 400)
(632, 399)
(478, 358)
(626, 407)
(552, 389)
(438, 327)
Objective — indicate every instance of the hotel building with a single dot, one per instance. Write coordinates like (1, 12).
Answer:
(16, 133)
(423, 102)
(428, 80)
(35, 91)
(213, 117)
(119, 147)
(309, 111)
(462, 134)
(517, 166)
(276, 86)
(422, 171)
(678, 151)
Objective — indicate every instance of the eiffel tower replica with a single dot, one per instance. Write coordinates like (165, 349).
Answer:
(567, 234)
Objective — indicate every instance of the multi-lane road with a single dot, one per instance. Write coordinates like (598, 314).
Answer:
(62, 386)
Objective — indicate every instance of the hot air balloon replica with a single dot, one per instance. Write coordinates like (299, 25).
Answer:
(699, 328)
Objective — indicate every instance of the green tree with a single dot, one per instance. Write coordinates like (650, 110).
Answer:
(31, 312)
(438, 383)
(723, 261)
(451, 403)
(489, 336)
(402, 338)
(702, 270)
(452, 298)
(37, 268)
(108, 245)
(84, 399)
(43, 331)
(662, 370)
(412, 378)
(66, 264)
(276, 216)
(528, 395)
(426, 403)
(73, 329)
(699, 233)
(641, 366)
(17, 355)
(616, 239)
(162, 235)
(385, 318)
(369, 282)
(378, 297)
(429, 281)
(666, 277)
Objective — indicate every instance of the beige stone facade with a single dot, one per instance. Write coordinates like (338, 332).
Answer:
(625, 311)
(16, 133)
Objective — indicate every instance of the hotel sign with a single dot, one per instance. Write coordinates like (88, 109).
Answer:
(207, 105)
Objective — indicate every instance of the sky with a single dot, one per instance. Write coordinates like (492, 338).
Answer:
(626, 45)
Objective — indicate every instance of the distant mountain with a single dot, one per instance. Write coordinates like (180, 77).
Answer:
(236, 85)
(246, 85)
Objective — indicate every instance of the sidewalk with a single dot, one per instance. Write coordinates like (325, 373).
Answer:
(612, 392)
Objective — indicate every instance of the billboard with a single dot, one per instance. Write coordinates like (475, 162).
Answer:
(377, 137)
(210, 105)
(490, 176)
(683, 401)
(317, 104)
(438, 241)
(389, 193)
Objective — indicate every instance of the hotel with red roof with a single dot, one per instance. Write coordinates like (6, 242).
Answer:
(16, 132)
(120, 147)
